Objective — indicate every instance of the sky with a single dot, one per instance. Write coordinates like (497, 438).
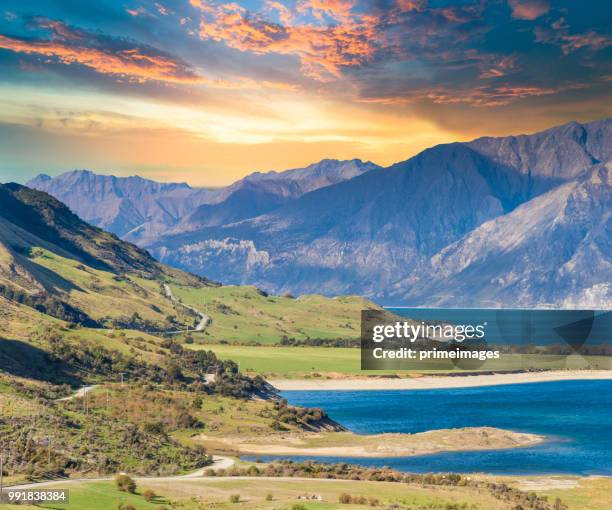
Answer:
(208, 91)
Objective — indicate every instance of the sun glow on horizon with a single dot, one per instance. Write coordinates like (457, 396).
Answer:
(207, 92)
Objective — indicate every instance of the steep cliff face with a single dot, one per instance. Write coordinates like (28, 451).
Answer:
(553, 250)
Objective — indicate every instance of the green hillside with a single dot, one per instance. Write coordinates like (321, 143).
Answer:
(244, 314)
(53, 262)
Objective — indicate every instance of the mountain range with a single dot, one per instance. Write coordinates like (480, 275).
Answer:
(140, 210)
(508, 221)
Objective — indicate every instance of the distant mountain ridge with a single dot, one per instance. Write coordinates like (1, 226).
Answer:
(139, 210)
(420, 232)
(259, 193)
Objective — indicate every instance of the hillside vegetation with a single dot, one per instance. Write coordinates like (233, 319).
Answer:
(56, 264)
(246, 315)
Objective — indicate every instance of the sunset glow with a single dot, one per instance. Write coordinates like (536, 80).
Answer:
(207, 92)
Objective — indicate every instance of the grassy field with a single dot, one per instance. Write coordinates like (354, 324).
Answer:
(207, 493)
(243, 314)
(308, 362)
(284, 494)
(588, 494)
(591, 493)
(296, 361)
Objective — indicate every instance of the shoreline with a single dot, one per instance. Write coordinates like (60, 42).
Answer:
(428, 382)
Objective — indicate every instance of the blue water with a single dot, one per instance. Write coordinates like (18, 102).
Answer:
(576, 416)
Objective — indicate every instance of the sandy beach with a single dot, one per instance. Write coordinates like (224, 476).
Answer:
(426, 382)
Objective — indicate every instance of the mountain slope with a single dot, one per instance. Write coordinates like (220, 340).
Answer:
(559, 153)
(55, 262)
(367, 234)
(260, 193)
(554, 249)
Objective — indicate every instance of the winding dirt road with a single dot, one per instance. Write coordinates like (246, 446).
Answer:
(205, 320)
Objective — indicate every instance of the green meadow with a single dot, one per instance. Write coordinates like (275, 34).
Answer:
(243, 314)
(300, 362)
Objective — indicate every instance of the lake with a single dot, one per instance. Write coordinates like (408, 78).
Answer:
(576, 416)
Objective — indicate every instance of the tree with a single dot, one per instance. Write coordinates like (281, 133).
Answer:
(345, 498)
(125, 484)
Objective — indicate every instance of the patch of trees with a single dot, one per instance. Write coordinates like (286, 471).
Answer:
(308, 418)
(41, 390)
(48, 304)
(55, 444)
(212, 374)
(135, 321)
(348, 499)
(125, 483)
(96, 360)
(320, 342)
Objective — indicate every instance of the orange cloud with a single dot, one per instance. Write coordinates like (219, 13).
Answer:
(559, 35)
(128, 63)
(105, 55)
(284, 14)
(119, 58)
(528, 9)
(322, 50)
(500, 67)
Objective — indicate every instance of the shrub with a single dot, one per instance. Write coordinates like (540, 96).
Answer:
(235, 498)
(269, 496)
(156, 428)
(125, 484)
(298, 506)
(149, 495)
(345, 498)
